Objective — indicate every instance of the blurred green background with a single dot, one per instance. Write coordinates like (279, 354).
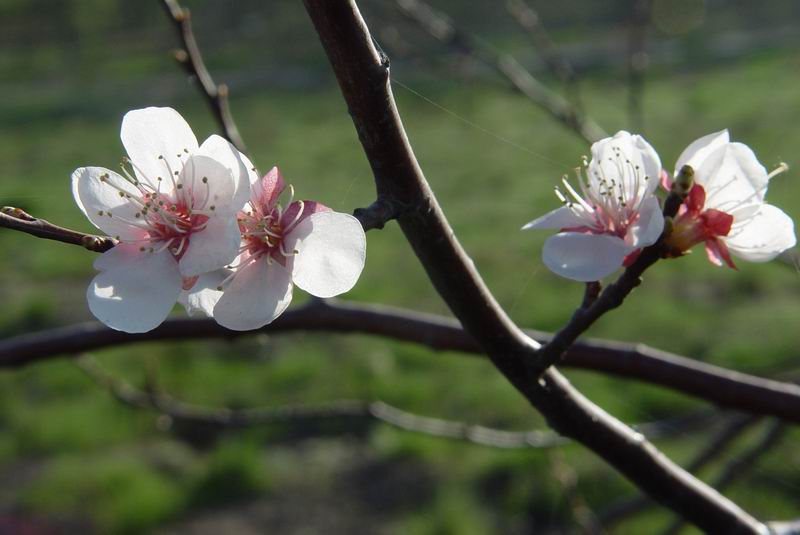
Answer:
(74, 460)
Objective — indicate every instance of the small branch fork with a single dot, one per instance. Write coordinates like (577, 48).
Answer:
(191, 60)
(364, 80)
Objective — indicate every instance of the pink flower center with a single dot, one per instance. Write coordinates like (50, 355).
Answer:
(694, 225)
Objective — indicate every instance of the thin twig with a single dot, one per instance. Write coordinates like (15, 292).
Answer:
(364, 80)
(637, 62)
(441, 27)
(634, 361)
(154, 398)
(530, 21)
(740, 466)
(17, 219)
(192, 61)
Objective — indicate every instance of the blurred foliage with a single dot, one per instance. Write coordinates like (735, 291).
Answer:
(69, 453)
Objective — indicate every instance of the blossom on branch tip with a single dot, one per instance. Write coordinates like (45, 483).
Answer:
(307, 244)
(613, 214)
(173, 211)
(725, 208)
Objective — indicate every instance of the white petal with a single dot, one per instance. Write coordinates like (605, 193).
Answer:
(649, 227)
(203, 296)
(732, 177)
(695, 154)
(331, 249)
(583, 257)
(638, 166)
(212, 248)
(136, 291)
(101, 202)
(152, 132)
(559, 218)
(241, 168)
(258, 294)
(211, 184)
(762, 237)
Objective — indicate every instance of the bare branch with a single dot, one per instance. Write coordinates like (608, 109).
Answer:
(153, 398)
(192, 61)
(530, 21)
(16, 219)
(364, 80)
(444, 29)
(634, 361)
(637, 62)
(340, 409)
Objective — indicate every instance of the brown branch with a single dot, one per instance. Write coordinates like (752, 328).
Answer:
(530, 21)
(364, 81)
(192, 61)
(741, 465)
(16, 219)
(628, 507)
(724, 387)
(444, 29)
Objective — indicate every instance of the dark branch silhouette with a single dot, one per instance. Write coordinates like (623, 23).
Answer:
(364, 80)
(724, 387)
(192, 61)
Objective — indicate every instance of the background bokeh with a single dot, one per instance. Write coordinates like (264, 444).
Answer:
(74, 460)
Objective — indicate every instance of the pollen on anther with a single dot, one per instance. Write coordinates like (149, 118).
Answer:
(205, 180)
(179, 186)
(212, 207)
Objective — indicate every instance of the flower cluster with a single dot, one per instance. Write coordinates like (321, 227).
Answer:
(195, 224)
(616, 213)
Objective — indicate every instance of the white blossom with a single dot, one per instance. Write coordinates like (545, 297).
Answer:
(173, 211)
(611, 216)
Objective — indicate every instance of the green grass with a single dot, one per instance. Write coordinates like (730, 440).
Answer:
(96, 458)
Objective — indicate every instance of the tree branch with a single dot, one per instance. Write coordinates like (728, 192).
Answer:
(16, 219)
(444, 29)
(178, 410)
(154, 398)
(530, 21)
(726, 388)
(364, 80)
(192, 61)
